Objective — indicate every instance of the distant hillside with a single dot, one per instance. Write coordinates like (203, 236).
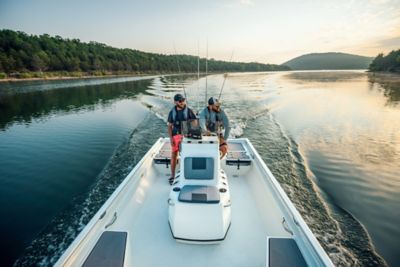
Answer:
(329, 61)
(20, 52)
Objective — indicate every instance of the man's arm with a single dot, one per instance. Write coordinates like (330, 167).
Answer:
(170, 126)
(227, 127)
(202, 120)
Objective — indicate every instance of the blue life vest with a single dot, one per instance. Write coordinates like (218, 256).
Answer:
(185, 114)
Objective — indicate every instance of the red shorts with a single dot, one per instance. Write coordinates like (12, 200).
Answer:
(177, 141)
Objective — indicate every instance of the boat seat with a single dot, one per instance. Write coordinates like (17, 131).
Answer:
(237, 155)
(284, 252)
(199, 194)
(164, 155)
(238, 158)
(108, 251)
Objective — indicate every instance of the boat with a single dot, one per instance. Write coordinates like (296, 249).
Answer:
(218, 212)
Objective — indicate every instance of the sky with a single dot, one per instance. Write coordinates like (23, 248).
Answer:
(262, 31)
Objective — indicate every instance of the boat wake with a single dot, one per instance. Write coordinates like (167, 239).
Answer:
(342, 236)
(59, 234)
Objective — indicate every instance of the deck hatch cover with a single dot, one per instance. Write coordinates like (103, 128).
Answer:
(284, 252)
(199, 197)
(199, 194)
(108, 251)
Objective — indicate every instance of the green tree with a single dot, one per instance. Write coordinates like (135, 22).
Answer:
(22, 52)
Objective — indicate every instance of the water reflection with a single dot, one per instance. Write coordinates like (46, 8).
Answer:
(324, 76)
(338, 121)
(348, 128)
(389, 84)
(23, 107)
(71, 134)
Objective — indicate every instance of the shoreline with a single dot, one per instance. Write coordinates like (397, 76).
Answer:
(384, 72)
(88, 77)
(83, 77)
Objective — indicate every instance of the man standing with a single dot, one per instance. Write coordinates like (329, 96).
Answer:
(179, 114)
(213, 119)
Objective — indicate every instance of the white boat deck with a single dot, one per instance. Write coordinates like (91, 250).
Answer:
(141, 206)
(150, 238)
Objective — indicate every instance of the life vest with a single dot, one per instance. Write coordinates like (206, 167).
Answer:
(175, 113)
(213, 125)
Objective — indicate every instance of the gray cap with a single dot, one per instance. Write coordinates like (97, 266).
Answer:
(213, 101)
(178, 97)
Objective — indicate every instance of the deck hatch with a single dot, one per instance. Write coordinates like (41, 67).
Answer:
(199, 194)
(284, 252)
(199, 197)
(108, 251)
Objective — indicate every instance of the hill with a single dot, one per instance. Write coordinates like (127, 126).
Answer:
(20, 52)
(390, 62)
(328, 61)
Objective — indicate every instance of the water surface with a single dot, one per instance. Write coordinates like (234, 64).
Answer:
(331, 138)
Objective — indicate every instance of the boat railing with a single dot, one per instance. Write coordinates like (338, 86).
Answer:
(107, 214)
(293, 217)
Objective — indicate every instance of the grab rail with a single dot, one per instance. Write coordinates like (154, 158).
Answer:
(285, 226)
(114, 218)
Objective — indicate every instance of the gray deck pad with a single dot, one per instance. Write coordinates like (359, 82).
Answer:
(284, 252)
(108, 251)
(199, 194)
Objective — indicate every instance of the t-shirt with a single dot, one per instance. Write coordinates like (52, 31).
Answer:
(177, 121)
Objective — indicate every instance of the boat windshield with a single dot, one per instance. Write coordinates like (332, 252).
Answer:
(192, 129)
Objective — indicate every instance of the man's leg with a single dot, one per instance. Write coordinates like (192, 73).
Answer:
(174, 156)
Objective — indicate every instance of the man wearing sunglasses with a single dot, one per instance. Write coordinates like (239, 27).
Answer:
(176, 117)
(213, 120)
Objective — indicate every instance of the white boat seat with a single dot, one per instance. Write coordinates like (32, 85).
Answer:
(284, 252)
(108, 251)
(199, 194)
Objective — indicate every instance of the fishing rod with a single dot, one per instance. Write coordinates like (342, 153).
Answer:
(198, 74)
(179, 71)
(225, 75)
(206, 69)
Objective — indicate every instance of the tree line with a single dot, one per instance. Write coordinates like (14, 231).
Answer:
(20, 52)
(390, 62)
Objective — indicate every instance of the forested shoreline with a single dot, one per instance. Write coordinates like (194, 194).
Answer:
(30, 56)
(389, 63)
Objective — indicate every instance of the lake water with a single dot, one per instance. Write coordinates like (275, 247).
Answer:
(331, 138)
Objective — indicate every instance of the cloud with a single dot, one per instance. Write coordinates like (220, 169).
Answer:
(238, 4)
(247, 2)
(379, 2)
(391, 42)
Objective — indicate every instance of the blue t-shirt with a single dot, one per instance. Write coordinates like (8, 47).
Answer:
(177, 121)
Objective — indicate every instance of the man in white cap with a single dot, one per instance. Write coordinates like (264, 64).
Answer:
(213, 119)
